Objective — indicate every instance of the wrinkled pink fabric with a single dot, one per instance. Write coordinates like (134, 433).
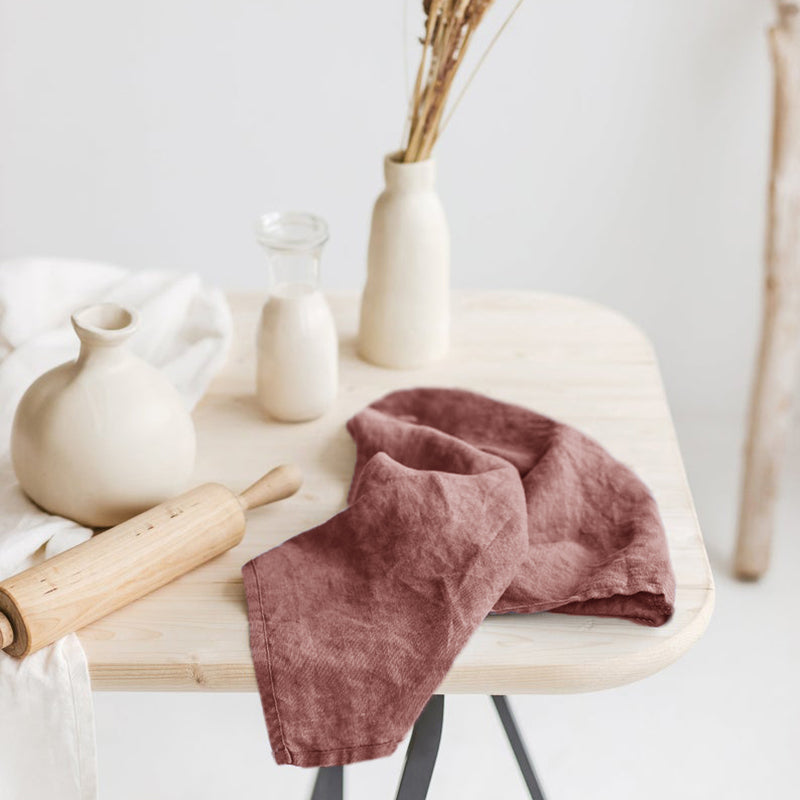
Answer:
(460, 506)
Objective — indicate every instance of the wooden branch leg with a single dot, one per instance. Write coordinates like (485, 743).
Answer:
(776, 368)
(770, 420)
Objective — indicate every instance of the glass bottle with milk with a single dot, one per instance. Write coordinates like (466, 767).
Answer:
(297, 363)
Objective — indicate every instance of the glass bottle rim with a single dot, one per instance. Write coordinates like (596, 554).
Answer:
(294, 231)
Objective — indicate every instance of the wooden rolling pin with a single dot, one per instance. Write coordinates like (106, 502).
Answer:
(124, 563)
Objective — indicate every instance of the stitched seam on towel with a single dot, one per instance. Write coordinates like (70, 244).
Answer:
(274, 697)
(345, 749)
(557, 610)
(647, 588)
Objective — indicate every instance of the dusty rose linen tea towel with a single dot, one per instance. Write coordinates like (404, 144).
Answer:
(460, 506)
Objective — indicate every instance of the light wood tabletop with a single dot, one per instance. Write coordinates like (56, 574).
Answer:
(568, 358)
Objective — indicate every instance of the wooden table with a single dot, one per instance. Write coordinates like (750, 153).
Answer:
(576, 361)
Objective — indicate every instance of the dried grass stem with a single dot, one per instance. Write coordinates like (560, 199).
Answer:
(449, 27)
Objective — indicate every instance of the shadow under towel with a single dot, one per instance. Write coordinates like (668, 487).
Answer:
(460, 506)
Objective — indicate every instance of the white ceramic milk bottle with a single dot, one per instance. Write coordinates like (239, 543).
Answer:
(297, 366)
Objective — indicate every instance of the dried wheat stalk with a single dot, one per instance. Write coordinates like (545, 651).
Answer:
(449, 26)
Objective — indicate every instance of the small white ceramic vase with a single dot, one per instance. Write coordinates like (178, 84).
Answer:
(405, 308)
(106, 436)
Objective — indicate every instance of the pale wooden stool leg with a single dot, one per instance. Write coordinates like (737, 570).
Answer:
(776, 369)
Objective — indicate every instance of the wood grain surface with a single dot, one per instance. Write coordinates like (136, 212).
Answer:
(562, 356)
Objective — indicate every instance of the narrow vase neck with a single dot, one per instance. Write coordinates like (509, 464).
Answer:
(410, 177)
(102, 329)
(101, 354)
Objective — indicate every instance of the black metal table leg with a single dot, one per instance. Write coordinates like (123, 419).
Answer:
(329, 784)
(518, 746)
(422, 751)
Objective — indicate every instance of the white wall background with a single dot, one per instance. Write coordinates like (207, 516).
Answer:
(616, 150)
(613, 149)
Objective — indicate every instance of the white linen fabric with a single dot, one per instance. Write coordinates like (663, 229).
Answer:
(47, 744)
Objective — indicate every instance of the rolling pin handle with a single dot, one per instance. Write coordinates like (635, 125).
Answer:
(277, 484)
(6, 632)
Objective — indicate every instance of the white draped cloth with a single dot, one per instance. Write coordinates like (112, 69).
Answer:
(47, 743)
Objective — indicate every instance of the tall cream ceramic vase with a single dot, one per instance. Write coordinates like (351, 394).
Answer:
(106, 436)
(405, 309)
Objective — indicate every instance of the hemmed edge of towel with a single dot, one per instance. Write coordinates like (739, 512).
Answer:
(656, 608)
(334, 758)
(283, 754)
